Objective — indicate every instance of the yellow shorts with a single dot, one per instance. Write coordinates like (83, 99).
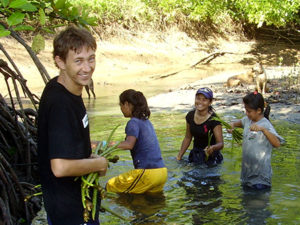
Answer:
(139, 181)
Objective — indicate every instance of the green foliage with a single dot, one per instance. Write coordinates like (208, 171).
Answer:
(3, 32)
(269, 12)
(272, 12)
(122, 12)
(38, 43)
(42, 17)
(13, 14)
(91, 12)
(48, 14)
(21, 15)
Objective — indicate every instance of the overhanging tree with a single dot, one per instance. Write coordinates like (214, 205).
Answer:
(18, 134)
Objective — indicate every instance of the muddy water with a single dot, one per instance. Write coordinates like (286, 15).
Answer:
(195, 195)
(200, 195)
(107, 92)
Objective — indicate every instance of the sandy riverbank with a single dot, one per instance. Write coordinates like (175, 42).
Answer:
(160, 65)
(229, 101)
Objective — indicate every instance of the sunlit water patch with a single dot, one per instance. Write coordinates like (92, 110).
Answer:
(202, 195)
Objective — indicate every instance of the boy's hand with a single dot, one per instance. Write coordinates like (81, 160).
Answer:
(93, 156)
(104, 163)
(112, 143)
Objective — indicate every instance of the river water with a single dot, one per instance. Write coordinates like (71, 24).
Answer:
(197, 195)
(200, 195)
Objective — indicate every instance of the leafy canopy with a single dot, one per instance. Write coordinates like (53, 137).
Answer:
(40, 16)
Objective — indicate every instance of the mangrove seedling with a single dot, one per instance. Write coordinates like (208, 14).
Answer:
(210, 134)
(90, 183)
(237, 136)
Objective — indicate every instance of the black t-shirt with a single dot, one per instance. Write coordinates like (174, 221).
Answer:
(63, 132)
(200, 131)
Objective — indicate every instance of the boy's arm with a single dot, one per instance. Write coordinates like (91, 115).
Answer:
(185, 143)
(275, 142)
(78, 167)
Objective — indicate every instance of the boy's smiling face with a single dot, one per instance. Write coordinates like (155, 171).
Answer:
(78, 68)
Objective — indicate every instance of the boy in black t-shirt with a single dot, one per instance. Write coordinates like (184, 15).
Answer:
(64, 147)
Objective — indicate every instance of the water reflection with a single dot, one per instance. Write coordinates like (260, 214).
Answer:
(142, 205)
(202, 195)
(202, 191)
(256, 206)
(136, 208)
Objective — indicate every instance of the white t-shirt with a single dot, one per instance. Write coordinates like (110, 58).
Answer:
(256, 162)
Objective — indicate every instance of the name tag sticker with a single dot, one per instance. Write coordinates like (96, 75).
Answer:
(85, 121)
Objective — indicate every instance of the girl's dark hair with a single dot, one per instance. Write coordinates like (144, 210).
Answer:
(256, 101)
(211, 109)
(139, 102)
(72, 38)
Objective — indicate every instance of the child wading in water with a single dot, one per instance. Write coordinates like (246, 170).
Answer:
(259, 137)
(150, 173)
(201, 126)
